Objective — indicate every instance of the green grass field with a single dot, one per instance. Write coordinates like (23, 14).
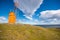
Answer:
(27, 32)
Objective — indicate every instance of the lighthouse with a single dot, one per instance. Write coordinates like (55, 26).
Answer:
(12, 18)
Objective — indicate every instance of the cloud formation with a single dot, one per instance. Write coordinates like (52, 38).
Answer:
(28, 7)
(24, 21)
(46, 17)
(50, 16)
(3, 19)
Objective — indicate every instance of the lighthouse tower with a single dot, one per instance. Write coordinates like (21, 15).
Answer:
(11, 18)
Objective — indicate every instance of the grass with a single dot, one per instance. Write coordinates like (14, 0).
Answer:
(27, 32)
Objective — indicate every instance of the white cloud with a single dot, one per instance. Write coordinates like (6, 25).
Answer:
(3, 19)
(28, 17)
(25, 21)
(50, 16)
(46, 17)
(28, 6)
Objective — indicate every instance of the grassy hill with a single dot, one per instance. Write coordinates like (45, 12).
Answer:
(27, 32)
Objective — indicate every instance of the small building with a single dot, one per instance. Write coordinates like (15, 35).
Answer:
(12, 18)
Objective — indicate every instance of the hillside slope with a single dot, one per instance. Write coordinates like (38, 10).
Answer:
(26, 32)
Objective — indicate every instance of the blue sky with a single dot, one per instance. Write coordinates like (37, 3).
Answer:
(46, 12)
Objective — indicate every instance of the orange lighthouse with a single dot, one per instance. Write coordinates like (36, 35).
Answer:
(11, 18)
